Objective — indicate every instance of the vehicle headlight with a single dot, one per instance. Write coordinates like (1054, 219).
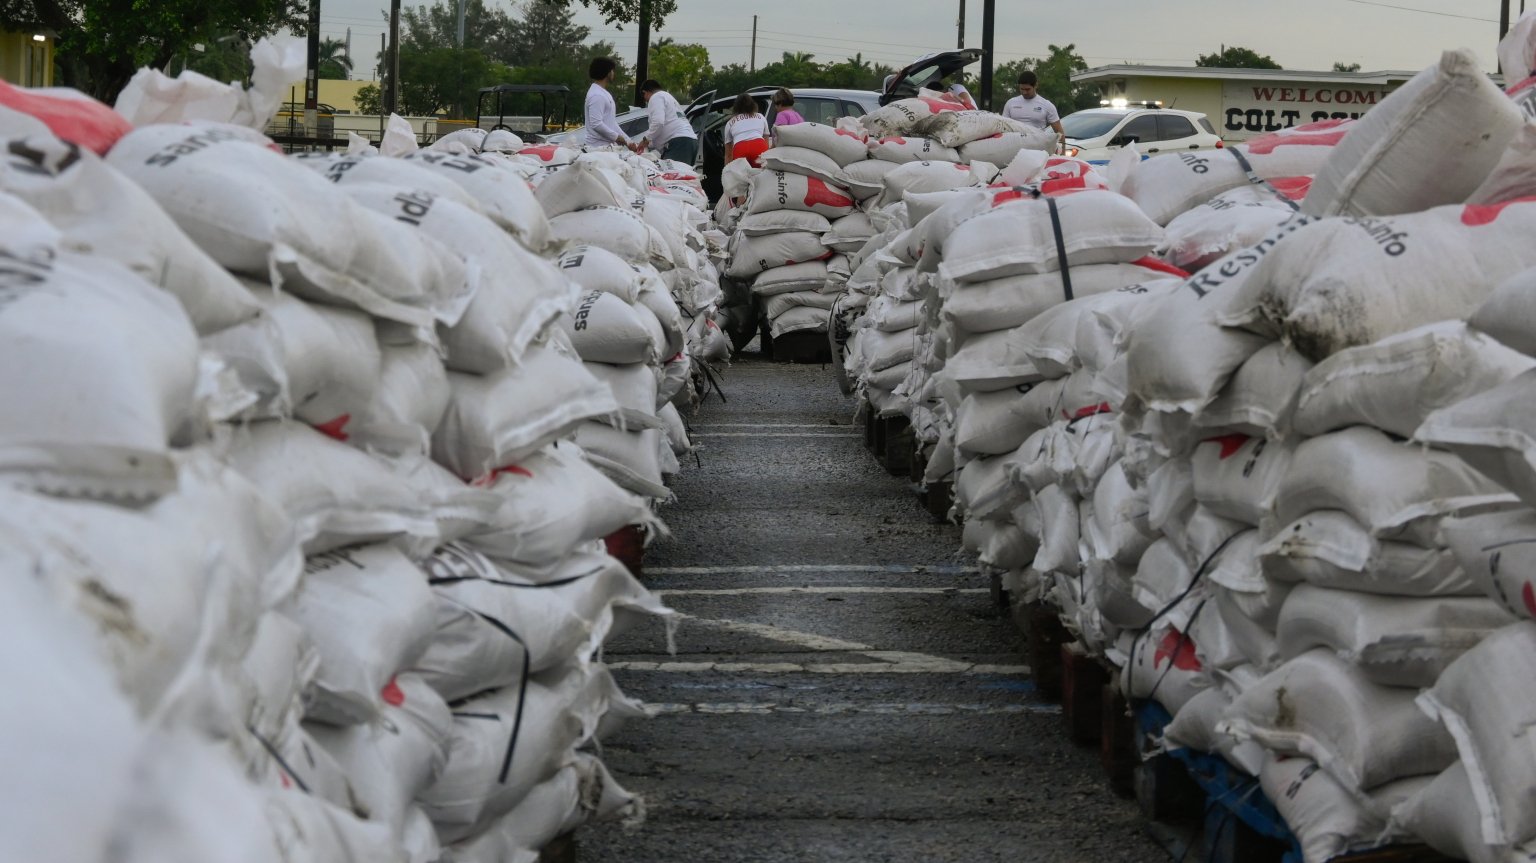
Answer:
(1072, 151)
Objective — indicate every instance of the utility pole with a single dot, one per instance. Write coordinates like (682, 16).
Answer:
(643, 56)
(461, 25)
(392, 61)
(988, 30)
(753, 66)
(459, 61)
(960, 41)
(312, 76)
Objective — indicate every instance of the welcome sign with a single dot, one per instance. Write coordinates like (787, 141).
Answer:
(1255, 107)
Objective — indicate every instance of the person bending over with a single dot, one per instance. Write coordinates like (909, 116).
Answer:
(746, 133)
(669, 134)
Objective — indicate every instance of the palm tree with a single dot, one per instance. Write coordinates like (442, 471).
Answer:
(334, 62)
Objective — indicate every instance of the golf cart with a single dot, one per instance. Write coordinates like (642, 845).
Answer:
(509, 106)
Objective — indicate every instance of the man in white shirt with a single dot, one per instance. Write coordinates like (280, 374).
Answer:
(602, 116)
(1031, 108)
(670, 134)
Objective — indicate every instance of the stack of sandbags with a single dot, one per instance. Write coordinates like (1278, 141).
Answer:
(275, 359)
(777, 244)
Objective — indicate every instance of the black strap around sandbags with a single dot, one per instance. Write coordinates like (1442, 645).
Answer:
(1255, 179)
(1061, 248)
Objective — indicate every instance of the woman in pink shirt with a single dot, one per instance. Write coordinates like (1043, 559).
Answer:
(784, 104)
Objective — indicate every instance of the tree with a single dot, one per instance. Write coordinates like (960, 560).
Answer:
(369, 99)
(623, 11)
(1346, 67)
(486, 29)
(1237, 58)
(680, 68)
(334, 64)
(544, 34)
(446, 80)
(101, 43)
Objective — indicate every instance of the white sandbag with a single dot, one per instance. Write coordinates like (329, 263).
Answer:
(1509, 315)
(1193, 317)
(798, 319)
(124, 352)
(849, 233)
(1163, 666)
(1120, 512)
(1395, 490)
(926, 176)
(1167, 186)
(307, 828)
(1397, 382)
(900, 150)
(505, 743)
(1340, 283)
(883, 350)
(1229, 221)
(1445, 817)
(594, 268)
(1003, 147)
(98, 211)
(1494, 552)
(998, 304)
(518, 295)
(634, 389)
(781, 190)
(657, 300)
(618, 229)
(753, 255)
(1431, 142)
(629, 458)
(803, 161)
(994, 423)
(1079, 333)
(580, 793)
(1060, 529)
(777, 304)
(319, 364)
(1363, 734)
(1260, 400)
(983, 489)
(780, 221)
(605, 329)
(501, 192)
(809, 276)
(902, 115)
(398, 754)
(1195, 728)
(1328, 548)
(496, 625)
(553, 501)
(842, 146)
(583, 183)
(404, 177)
(1018, 237)
(408, 404)
(866, 179)
(497, 141)
(1484, 705)
(1491, 432)
(1327, 820)
(958, 128)
(1238, 477)
(1394, 641)
(499, 420)
(261, 214)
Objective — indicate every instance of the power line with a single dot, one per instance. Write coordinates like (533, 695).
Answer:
(1423, 11)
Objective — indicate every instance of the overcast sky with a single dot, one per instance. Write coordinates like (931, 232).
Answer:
(1298, 34)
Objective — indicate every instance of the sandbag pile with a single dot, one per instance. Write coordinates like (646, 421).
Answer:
(1285, 494)
(305, 487)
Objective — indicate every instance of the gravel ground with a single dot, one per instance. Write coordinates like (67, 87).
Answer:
(843, 688)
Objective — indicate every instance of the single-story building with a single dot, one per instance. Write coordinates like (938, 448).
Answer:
(1241, 103)
(26, 57)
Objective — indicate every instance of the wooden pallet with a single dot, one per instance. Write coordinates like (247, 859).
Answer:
(1044, 635)
(804, 347)
(1082, 694)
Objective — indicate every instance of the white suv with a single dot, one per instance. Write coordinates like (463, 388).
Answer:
(1095, 134)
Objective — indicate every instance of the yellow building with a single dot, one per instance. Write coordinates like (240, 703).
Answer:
(1241, 103)
(26, 58)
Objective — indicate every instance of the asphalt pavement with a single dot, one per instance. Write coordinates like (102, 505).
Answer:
(843, 688)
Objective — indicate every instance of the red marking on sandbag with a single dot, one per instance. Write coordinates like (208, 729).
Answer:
(1064, 186)
(82, 121)
(1528, 594)
(392, 694)
(1478, 215)
(939, 106)
(545, 152)
(1230, 444)
(509, 470)
(1179, 648)
(1295, 188)
(336, 428)
(893, 140)
(1090, 410)
(1005, 197)
(818, 192)
(1265, 145)
(1159, 265)
(960, 167)
(847, 134)
(676, 358)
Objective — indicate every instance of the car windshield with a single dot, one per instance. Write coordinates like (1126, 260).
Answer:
(1083, 125)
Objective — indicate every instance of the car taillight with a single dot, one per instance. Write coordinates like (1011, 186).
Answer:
(1220, 144)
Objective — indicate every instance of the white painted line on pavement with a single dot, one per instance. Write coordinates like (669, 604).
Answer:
(850, 708)
(773, 569)
(819, 589)
(928, 665)
(807, 640)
